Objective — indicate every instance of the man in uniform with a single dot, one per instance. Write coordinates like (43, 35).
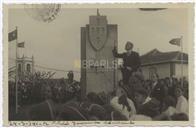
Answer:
(131, 61)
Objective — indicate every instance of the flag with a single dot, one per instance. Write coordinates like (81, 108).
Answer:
(175, 41)
(21, 45)
(12, 35)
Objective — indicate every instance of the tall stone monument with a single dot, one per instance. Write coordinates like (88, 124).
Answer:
(98, 72)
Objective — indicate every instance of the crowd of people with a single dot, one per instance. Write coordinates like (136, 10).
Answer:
(31, 92)
(134, 99)
(156, 99)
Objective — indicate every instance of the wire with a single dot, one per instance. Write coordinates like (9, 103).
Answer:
(54, 69)
(61, 70)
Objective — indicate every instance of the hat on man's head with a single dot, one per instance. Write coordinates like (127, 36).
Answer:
(129, 45)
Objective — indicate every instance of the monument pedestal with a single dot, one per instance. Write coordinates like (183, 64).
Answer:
(98, 71)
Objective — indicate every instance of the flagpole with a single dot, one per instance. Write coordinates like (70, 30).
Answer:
(181, 61)
(115, 74)
(16, 72)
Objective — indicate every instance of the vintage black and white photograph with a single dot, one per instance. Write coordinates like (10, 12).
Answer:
(99, 63)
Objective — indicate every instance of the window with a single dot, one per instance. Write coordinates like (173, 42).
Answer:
(152, 70)
(19, 68)
(172, 69)
(28, 68)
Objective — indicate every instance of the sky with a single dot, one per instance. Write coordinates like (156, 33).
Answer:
(57, 44)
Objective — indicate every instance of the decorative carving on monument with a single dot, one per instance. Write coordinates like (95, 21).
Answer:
(98, 32)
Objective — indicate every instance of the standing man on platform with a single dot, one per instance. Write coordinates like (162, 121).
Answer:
(131, 61)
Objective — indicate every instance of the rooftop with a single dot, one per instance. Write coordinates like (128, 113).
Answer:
(157, 57)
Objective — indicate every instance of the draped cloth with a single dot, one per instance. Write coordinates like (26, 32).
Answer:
(123, 110)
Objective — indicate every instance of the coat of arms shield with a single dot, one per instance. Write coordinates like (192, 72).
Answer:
(98, 36)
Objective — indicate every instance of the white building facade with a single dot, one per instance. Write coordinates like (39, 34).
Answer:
(165, 64)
